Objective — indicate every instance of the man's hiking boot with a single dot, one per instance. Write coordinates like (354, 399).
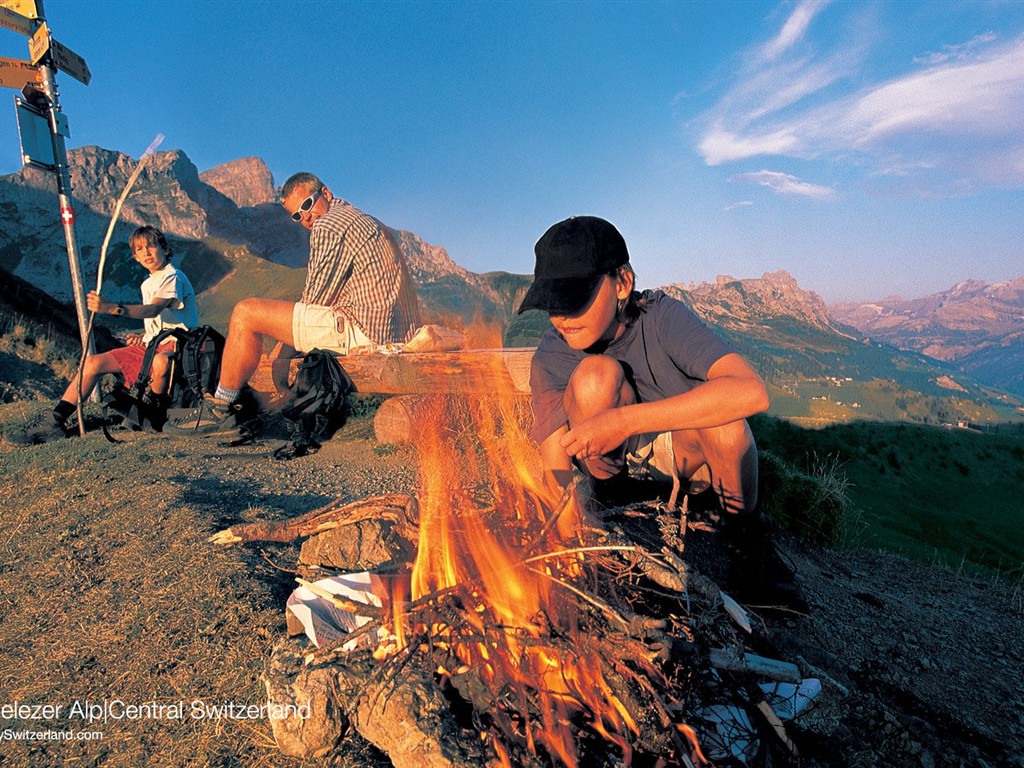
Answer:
(758, 575)
(212, 418)
(45, 427)
(217, 418)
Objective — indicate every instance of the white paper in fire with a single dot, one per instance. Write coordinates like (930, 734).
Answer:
(325, 622)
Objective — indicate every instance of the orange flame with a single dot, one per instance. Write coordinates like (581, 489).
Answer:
(482, 499)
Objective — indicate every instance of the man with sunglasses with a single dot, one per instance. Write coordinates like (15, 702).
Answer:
(358, 293)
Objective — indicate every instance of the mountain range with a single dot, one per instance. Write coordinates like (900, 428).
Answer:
(939, 359)
(976, 326)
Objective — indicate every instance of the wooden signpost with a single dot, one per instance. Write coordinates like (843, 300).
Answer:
(39, 113)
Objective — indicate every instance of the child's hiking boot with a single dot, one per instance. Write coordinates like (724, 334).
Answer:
(155, 407)
(45, 427)
(758, 575)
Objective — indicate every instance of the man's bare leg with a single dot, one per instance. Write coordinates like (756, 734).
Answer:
(251, 321)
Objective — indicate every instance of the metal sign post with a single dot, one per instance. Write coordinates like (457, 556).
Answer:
(26, 17)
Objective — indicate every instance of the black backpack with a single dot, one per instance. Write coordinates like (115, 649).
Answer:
(316, 404)
(195, 370)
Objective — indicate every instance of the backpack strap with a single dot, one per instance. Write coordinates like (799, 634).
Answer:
(151, 348)
(189, 364)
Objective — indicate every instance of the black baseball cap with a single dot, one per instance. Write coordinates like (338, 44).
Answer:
(572, 257)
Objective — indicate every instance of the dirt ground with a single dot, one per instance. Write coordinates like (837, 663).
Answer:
(113, 604)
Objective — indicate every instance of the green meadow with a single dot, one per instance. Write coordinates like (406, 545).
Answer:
(935, 494)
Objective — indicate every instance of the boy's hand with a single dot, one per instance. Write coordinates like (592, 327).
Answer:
(95, 303)
(133, 340)
(597, 436)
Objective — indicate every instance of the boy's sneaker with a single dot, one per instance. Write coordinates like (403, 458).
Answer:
(758, 575)
(42, 428)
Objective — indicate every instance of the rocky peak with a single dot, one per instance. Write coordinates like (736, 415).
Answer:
(975, 325)
(426, 260)
(775, 294)
(247, 182)
(168, 193)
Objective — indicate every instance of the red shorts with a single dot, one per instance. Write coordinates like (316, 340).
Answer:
(130, 359)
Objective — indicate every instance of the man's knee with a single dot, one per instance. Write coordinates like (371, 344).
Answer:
(245, 313)
(597, 382)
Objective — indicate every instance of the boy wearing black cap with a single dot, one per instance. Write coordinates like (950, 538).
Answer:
(629, 379)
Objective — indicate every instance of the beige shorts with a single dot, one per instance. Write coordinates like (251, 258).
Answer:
(652, 458)
(316, 327)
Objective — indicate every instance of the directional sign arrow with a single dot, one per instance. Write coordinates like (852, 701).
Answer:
(39, 43)
(15, 21)
(26, 8)
(70, 62)
(15, 73)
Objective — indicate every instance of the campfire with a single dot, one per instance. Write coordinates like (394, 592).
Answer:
(507, 625)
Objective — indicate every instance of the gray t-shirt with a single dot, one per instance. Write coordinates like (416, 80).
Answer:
(666, 352)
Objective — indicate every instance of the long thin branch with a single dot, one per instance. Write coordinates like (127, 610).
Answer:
(99, 273)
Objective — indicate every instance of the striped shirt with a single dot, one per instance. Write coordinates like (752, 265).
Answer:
(356, 268)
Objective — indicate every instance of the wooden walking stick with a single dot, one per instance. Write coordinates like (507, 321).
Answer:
(99, 273)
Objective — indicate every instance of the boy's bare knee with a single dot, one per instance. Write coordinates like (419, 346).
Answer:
(160, 366)
(98, 364)
(597, 379)
(729, 440)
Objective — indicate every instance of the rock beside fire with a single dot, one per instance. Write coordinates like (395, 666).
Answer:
(406, 716)
(369, 545)
(313, 720)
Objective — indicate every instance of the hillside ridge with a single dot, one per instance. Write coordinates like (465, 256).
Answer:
(235, 240)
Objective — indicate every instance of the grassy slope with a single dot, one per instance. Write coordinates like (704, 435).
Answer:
(262, 278)
(926, 492)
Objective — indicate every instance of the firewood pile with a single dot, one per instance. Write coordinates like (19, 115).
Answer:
(509, 631)
(636, 643)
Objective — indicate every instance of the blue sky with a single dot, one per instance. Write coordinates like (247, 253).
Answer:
(869, 148)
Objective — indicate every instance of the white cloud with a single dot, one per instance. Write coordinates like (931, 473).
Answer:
(957, 114)
(721, 146)
(980, 98)
(955, 52)
(785, 184)
(739, 204)
(794, 29)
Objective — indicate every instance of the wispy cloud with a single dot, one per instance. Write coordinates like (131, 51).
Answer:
(785, 184)
(795, 28)
(739, 204)
(956, 117)
(954, 52)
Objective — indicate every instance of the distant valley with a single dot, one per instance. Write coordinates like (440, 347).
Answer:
(953, 358)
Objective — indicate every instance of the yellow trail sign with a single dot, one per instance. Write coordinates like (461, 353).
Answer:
(26, 8)
(15, 21)
(39, 43)
(15, 73)
(64, 58)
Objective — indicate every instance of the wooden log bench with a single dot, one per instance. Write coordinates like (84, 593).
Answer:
(411, 375)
